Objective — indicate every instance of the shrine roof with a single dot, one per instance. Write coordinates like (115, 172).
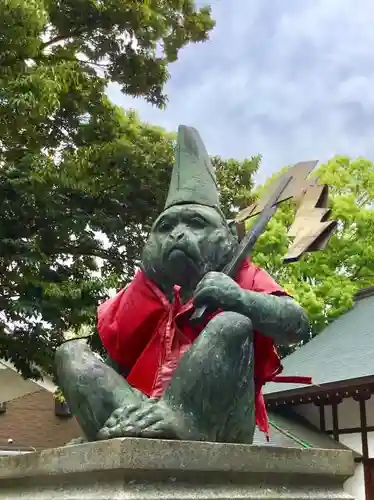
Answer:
(343, 351)
(290, 430)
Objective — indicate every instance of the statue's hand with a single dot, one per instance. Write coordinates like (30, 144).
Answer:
(219, 291)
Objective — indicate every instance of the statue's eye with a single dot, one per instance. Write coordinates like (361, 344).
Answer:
(198, 223)
(164, 226)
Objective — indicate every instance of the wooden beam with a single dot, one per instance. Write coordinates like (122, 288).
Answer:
(322, 420)
(351, 430)
(335, 420)
(369, 480)
(361, 396)
(364, 430)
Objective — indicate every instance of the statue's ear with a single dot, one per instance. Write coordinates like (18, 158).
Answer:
(233, 228)
(237, 229)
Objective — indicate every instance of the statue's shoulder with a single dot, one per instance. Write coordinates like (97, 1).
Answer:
(254, 278)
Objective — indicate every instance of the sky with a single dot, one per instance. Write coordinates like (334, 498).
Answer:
(291, 80)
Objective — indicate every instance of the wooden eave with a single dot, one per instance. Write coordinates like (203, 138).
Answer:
(320, 393)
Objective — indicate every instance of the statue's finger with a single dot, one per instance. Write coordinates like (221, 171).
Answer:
(149, 420)
(208, 296)
(145, 409)
(200, 299)
(206, 291)
(212, 275)
(200, 286)
(129, 410)
(206, 281)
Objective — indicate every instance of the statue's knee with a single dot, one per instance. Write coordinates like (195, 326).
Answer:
(232, 324)
(70, 350)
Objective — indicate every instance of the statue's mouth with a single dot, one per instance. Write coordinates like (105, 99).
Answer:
(183, 259)
(181, 251)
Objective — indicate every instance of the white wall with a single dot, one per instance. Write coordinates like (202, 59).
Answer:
(348, 413)
(356, 484)
(348, 417)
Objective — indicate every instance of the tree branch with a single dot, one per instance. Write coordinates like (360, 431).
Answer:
(58, 38)
(365, 265)
(355, 275)
(102, 254)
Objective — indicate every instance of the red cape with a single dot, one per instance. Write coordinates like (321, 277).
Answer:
(147, 335)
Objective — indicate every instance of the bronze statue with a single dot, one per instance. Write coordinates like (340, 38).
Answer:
(165, 376)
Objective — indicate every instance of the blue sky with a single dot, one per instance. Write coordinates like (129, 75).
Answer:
(290, 79)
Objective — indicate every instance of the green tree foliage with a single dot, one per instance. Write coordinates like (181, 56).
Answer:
(131, 41)
(325, 282)
(81, 180)
(235, 179)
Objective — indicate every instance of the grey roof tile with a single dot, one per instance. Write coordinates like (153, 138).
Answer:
(343, 351)
(289, 430)
(277, 438)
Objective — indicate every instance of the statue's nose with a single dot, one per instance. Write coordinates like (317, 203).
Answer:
(177, 234)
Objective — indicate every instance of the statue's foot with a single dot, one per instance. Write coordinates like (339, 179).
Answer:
(148, 419)
(75, 441)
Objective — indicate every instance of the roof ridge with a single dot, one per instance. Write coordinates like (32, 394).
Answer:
(45, 383)
(17, 398)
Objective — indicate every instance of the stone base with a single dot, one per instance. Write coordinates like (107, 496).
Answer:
(145, 469)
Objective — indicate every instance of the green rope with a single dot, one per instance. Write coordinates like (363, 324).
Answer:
(290, 435)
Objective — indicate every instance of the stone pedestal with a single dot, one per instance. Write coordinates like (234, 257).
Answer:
(140, 469)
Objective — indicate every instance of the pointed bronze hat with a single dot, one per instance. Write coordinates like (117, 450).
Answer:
(193, 179)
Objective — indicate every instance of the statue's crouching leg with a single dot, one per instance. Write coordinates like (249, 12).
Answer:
(213, 386)
(92, 389)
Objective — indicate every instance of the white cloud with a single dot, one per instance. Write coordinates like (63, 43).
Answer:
(290, 80)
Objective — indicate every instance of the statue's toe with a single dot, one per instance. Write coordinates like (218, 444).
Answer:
(75, 441)
(150, 419)
(160, 430)
(111, 422)
(103, 434)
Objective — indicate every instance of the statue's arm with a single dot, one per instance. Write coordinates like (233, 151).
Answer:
(113, 364)
(261, 299)
(278, 317)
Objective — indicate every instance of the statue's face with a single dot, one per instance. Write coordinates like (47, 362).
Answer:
(185, 243)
